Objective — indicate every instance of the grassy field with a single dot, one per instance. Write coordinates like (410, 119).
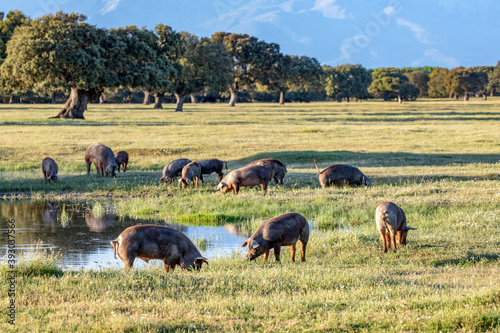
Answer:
(437, 159)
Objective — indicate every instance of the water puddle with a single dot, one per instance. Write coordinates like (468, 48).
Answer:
(82, 234)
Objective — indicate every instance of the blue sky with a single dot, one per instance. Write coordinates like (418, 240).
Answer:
(397, 33)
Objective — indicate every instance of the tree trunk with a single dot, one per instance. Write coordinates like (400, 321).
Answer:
(466, 96)
(399, 99)
(451, 95)
(491, 93)
(456, 97)
(53, 98)
(21, 100)
(234, 96)
(11, 100)
(485, 97)
(194, 98)
(158, 101)
(282, 96)
(76, 104)
(101, 99)
(146, 98)
(180, 102)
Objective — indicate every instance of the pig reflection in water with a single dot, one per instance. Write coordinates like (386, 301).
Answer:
(98, 223)
(50, 212)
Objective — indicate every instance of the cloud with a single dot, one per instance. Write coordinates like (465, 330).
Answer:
(329, 9)
(109, 6)
(348, 47)
(249, 17)
(420, 33)
(433, 57)
(390, 10)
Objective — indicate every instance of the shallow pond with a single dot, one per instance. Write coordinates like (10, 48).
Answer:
(81, 232)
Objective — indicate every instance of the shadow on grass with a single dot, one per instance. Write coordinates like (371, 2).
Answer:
(360, 159)
(471, 259)
(82, 123)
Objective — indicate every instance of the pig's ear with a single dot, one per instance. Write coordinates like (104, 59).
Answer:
(255, 244)
(245, 244)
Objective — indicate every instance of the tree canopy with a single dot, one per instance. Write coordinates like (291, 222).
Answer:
(252, 60)
(389, 83)
(346, 81)
(202, 64)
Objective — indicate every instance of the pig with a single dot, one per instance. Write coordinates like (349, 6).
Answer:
(173, 169)
(190, 173)
(391, 225)
(283, 230)
(121, 157)
(278, 169)
(341, 174)
(50, 170)
(103, 159)
(247, 176)
(212, 165)
(157, 242)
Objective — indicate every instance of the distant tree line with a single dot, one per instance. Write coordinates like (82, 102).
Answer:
(61, 58)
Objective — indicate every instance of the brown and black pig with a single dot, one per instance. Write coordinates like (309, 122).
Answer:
(121, 158)
(283, 230)
(173, 170)
(157, 242)
(103, 159)
(190, 173)
(391, 225)
(278, 169)
(50, 170)
(246, 176)
(212, 165)
(340, 175)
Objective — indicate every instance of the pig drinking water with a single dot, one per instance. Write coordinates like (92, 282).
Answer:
(157, 242)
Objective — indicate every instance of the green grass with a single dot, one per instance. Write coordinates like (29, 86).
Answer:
(438, 160)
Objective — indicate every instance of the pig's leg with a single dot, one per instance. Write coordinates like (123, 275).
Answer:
(129, 261)
(236, 189)
(45, 176)
(292, 248)
(393, 239)
(398, 237)
(266, 255)
(124, 167)
(303, 244)
(264, 187)
(277, 249)
(383, 238)
(220, 175)
(201, 178)
(388, 238)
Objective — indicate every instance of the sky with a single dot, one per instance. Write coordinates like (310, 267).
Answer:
(385, 33)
